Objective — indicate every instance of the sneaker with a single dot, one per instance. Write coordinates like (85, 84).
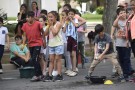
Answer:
(115, 75)
(55, 73)
(48, 78)
(87, 77)
(121, 79)
(58, 78)
(72, 74)
(67, 71)
(76, 70)
(35, 79)
(1, 71)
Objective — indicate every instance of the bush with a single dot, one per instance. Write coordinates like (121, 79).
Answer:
(100, 10)
(11, 28)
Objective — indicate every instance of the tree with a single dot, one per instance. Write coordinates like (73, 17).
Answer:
(109, 15)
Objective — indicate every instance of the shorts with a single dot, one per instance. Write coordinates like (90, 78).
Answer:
(58, 50)
(71, 44)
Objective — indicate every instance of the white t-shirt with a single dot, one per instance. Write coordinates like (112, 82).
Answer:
(42, 48)
(3, 32)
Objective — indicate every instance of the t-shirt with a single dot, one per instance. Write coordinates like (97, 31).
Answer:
(55, 40)
(101, 42)
(16, 48)
(121, 42)
(81, 35)
(3, 32)
(71, 29)
(33, 33)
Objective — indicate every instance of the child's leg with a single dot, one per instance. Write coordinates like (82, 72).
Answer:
(35, 51)
(93, 65)
(59, 63)
(51, 64)
(43, 64)
(1, 54)
(74, 60)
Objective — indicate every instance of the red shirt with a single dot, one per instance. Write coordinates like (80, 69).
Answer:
(33, 33)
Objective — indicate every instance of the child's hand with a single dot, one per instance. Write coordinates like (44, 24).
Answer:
(100, 57)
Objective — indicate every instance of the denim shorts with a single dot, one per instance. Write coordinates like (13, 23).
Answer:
(56, 50)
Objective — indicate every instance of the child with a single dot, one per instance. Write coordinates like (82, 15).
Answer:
(70, 29)
(103, 49)
(3, 38)
(122, 44)
(66, 54)
(20, 57)
(81, 41)
(55, 46)
(42, 56)
(32, 30)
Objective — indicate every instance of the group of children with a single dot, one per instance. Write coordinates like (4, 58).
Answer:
(49, 37)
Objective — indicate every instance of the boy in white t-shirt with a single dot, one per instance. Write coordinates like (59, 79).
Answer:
(3, 38)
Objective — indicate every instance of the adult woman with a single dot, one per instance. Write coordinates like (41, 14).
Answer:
(36, 10)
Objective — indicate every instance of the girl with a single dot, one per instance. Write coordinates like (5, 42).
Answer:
(55, 45)
(42, 20)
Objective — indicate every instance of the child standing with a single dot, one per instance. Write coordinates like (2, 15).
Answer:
(70, 29)
(81, 42)
(32, 30)
(3, 38)
(55, 46)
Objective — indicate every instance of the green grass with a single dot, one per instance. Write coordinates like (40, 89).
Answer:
(12, 18)
(92, 17)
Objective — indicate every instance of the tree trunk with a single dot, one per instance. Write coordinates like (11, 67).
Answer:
(109, 15)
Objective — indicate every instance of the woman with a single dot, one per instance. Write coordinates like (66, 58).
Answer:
(36, 10)
(21, 19)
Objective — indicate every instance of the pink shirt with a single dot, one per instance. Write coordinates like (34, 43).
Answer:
(133, 27)
(37, 13)
(33, 33)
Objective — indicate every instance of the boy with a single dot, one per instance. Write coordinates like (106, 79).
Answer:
(70, 29)
(3, 38)
(122, 44)
(20, 57)
(103, 49)
(32, 30)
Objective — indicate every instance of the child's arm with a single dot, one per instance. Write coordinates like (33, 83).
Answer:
(95, 50)
(74, 23)
(7, 37)
(65, 27)
(44, 40)
(112, 32)
(83, 21)
(100, 57)
(24, 38)
(27, 56)
(56, 29)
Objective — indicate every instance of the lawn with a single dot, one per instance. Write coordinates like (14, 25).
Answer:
(92, 17)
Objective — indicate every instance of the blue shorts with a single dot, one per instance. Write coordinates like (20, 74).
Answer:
(58, 50)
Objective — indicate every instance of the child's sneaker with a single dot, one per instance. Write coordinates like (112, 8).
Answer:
(35, 79)
(87, 77)
(1, 71)
(72, 74)
(121, 79)
(58, 78)
(48, 78)
(115, 75)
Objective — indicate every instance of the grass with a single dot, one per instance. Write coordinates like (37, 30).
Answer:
(92, 17)
(12, 18)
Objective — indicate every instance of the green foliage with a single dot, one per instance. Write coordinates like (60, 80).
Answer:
(11, 28)
(92, 17)
(59, 6)
(100, 10)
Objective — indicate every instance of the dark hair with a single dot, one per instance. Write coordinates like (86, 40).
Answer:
(44, 11)
(99, 28)
(119, 10)
(72, 10)
(36, 4)
(24, 5)
(1, 19)
(55, 14)
(79, 14)
(67, 5)
(43, 17)
(18, 37)
(31, 14)
(66, 11)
